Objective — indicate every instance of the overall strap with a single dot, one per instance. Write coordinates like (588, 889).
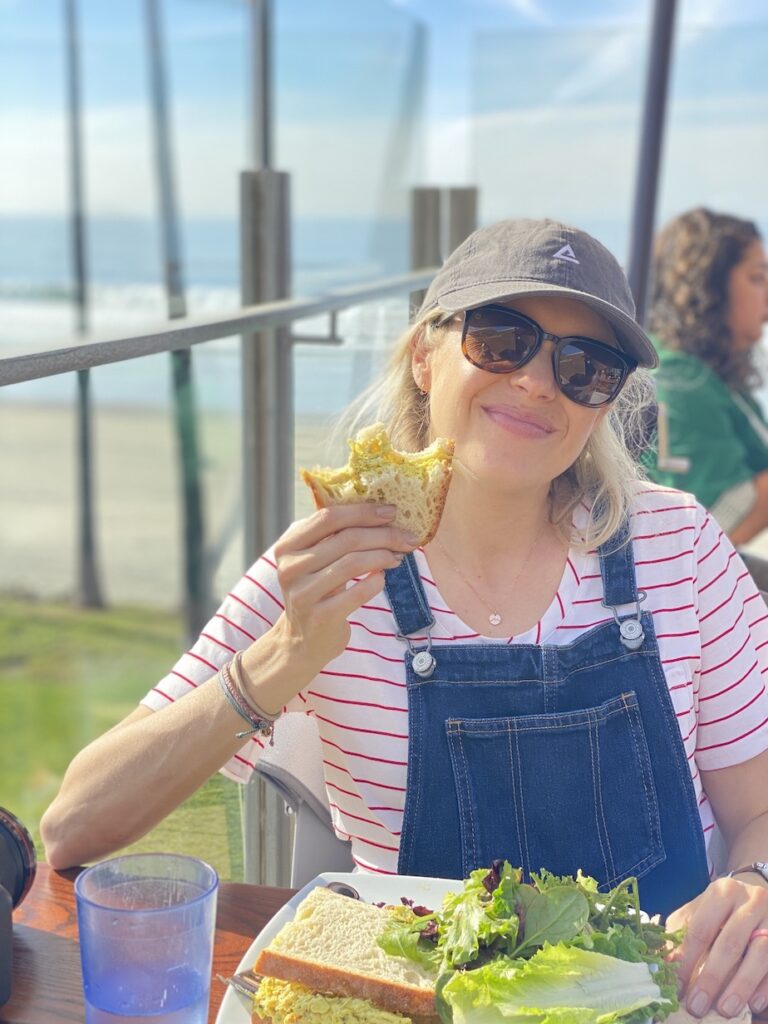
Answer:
(617, 568)
(407, 598)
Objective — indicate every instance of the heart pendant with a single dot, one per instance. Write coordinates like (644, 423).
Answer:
(494, 618)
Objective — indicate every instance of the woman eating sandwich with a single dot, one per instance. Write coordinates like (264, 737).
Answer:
(566, 674)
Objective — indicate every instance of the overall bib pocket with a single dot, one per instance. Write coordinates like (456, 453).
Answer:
(535, 788)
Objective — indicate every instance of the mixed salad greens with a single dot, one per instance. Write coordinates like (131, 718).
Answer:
(552, 950)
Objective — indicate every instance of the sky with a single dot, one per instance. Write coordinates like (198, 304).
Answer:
(538, 102)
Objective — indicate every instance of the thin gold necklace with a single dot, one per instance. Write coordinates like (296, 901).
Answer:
(494, 617)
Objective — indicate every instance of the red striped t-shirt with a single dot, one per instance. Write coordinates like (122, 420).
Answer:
(710, 621)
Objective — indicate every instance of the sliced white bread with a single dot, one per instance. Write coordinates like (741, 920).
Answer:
(416, 483)
(331, 947)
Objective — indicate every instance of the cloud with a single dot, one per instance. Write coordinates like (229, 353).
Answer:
(607, 63)
(576, 162)
(531, 10)
(337, 167)
(579, 164)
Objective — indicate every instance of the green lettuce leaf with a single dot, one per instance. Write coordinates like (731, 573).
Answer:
(559, 985)
(556, 915)
(474, 917)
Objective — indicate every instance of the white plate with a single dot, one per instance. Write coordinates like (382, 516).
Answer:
(372, 889)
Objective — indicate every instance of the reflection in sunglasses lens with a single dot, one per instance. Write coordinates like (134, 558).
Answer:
(498, 341)
(586, 375)
(502, 341)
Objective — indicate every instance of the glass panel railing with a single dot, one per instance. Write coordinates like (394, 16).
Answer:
(348, 127)
(69, 673)
(714, 148)
(555, 124)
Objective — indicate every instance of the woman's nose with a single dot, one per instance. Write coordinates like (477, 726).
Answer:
(537, 377)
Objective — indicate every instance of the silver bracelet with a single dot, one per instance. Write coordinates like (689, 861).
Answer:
(757, 867)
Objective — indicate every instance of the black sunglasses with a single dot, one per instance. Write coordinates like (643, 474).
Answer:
(501, 340)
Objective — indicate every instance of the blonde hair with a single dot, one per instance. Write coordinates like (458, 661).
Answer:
(604, 478)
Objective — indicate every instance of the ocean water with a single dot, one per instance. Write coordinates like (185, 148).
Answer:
(125, 293)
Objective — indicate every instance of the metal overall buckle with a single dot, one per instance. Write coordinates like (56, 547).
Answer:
(422, 659)
(630, 628)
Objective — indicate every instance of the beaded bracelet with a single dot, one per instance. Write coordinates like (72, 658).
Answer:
(260, 721)
(236, 674)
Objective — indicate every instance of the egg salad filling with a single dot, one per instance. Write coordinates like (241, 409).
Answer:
(286, 1002)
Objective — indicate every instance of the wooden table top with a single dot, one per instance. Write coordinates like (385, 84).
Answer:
(47, 987)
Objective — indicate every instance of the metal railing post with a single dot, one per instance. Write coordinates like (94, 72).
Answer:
(462, 215)
(196, 570)
(649, 158)
(88, 591)
(268, 429)
(425, 234)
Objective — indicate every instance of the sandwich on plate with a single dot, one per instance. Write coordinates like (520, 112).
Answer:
(327, 966)
(415, 482)
(500, 950)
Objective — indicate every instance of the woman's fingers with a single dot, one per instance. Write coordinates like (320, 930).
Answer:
(332, 579)
(721, 979)
(749, 981)
(701, 920)
(349, 599)
(353, 539)
(330, 564)
(305, 533)
(718, 965)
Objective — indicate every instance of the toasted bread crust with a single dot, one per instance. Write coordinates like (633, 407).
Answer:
(324, 498)
(439, 503)
(319, 493)
(416, 483)
(397, 997)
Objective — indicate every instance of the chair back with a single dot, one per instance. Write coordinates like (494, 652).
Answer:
(294, 767)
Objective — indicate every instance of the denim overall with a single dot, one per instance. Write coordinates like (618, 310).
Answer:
(557, 757)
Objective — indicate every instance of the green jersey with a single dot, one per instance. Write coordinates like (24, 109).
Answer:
(721, 433)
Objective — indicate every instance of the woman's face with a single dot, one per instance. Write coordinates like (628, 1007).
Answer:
(516, 430)
(748, 298)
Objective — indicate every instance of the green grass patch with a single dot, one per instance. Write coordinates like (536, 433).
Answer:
(67, 675)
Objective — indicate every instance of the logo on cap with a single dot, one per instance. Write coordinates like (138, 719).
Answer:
(566, 253)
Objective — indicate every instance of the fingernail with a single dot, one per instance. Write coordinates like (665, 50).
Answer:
(731, 1007)
(759, 1003)
(410, 538)
(698, 1003)
(386, 511)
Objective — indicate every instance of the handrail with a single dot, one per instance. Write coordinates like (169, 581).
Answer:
(192, 330)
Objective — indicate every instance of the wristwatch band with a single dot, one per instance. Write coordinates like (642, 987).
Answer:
(757, 867)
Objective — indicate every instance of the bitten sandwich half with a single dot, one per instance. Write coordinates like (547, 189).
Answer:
(415, 482)
(326, 967)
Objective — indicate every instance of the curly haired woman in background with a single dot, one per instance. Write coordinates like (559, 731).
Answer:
(709, 304)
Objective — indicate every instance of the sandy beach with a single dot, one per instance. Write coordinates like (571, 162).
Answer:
(137, 507)
(137, 504)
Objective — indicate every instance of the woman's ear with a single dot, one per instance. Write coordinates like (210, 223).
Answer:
(420, 360)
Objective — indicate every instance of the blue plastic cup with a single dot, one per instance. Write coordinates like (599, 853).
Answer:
(146, 925)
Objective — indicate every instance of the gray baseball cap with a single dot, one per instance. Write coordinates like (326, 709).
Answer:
(515, 258)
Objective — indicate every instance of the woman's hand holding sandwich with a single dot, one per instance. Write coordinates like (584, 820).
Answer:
(328, 566)
(127, 780)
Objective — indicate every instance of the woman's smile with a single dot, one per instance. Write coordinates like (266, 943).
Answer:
(519, 421)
